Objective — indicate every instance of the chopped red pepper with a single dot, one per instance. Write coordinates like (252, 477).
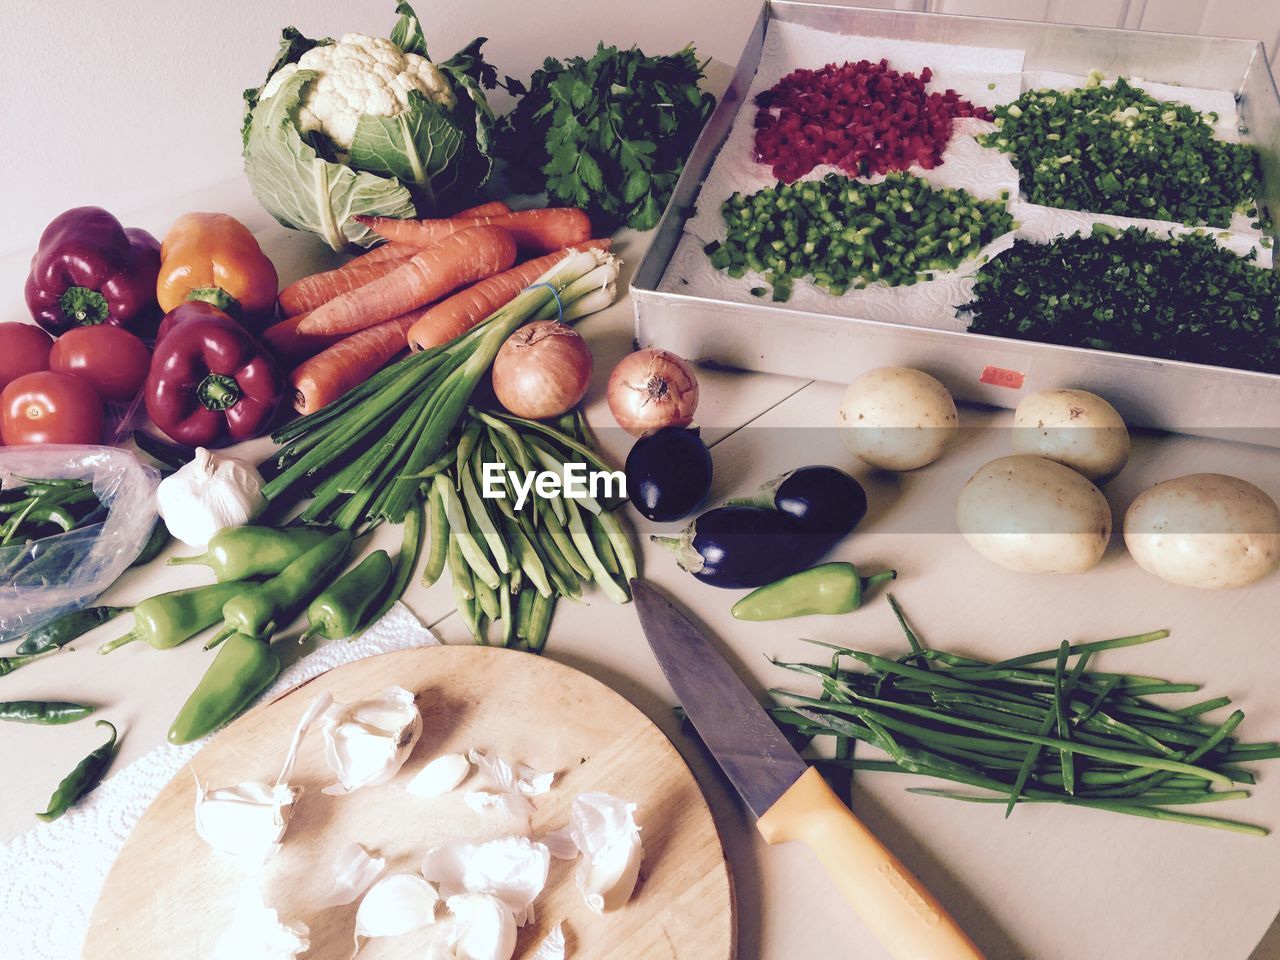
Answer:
(863, 117)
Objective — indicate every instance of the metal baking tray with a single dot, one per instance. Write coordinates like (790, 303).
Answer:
(1168, 395)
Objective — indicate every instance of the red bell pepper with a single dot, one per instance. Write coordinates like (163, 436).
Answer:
(211, 383)
(89, 269)
(186, 312)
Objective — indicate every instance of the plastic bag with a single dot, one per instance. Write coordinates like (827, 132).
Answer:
(55, 575)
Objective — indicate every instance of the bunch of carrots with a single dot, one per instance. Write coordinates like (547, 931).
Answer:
(430, 283)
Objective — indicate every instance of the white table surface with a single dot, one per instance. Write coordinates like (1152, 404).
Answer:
(1050, 861)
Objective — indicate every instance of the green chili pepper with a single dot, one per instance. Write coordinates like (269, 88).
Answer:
(47, 712)
(158, 540)
(340, 610)
(83, 778)
(169, 619)
(406, 562)
(262, 608)
(243, 668)
(10, 664)
(241, 553)
(62, 630)
(828, 588)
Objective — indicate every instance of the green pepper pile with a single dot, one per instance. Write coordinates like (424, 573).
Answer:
(33, 510)
(1116, 149)
(843, 233)
(1131, 291)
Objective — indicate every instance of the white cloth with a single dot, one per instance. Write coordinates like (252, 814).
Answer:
(50, 877)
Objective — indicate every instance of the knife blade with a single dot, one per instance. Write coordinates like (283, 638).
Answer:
(789, 799)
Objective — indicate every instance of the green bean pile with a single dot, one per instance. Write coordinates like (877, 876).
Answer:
(844, 233)
(1031, 734)
(509, 566)
(1116, 149)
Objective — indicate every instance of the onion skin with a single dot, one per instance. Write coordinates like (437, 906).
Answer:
(650, 390)
(542, 370)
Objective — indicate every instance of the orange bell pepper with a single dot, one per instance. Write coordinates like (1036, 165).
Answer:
(214, 257)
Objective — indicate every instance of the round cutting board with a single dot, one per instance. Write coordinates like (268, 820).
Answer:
(169, 895)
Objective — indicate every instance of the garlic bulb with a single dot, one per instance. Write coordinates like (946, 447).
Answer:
(440, 776)
(398, 904)
(483, 927)
(604, 830)
(513, 869)
(366, 743)
(248, 821)
(208, 494)
(257, 931)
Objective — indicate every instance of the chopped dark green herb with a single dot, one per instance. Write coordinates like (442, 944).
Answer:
(1132, 291)
(1116, 149)
(842, 233)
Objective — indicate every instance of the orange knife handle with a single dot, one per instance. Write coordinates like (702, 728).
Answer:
(893, 904)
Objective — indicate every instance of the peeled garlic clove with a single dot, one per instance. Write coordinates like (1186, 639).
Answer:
(398, 904)
(440, 776)
(484, 927)
(605, 832)
(257, 931)
(552, 946)
(513, 869)
(353, 871)
(366, 743)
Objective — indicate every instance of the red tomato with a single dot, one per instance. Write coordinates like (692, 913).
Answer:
(24, 348)
(50, 407)
(110, 358)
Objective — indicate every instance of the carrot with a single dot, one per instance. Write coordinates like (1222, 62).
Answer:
(348, 363)
(318, 289)
(491, 209)
(292, 347)
(454, 316)
(536, 231)
(460, 258)
(387, 251)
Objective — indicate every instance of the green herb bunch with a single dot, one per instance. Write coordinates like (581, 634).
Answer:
(1116, 149)
(844, 233)
(609, 134)
(1132, 291)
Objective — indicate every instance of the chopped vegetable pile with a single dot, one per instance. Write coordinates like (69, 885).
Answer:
(1032, 734)
(864, 118)
(1184, 298)
(844, 233)
(1116, 149)
(609, 134)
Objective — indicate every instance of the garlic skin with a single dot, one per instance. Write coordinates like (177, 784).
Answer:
(442, 775)
(353, 871)
(257, 931)
(209, 494)
(512, 869)
(512, 786)
(248, 821)
(483, 927)
(552, 946)
(604, 830)
(398, 904)
(367, 742)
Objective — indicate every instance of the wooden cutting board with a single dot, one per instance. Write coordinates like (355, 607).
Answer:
(169, 895)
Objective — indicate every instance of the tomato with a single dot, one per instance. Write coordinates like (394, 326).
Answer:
(112, 359)
(50, 407)
(24, 348)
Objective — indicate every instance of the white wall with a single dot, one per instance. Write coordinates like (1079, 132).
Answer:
(113, 101)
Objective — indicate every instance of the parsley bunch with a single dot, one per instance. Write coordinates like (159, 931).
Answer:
(1116, 149)
(609, 134)
(1132, 291)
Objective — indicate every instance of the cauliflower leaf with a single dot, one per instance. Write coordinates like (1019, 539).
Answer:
(418, 146)
(304, 191)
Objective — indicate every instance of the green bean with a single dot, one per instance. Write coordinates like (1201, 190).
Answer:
(539, 622)
(487, 598)
(621, 543)
(459, 571)
(459, 533)
(466, 444)
(438, 525)
(506, 616)
(582, 540)
(524, 610)
(556, 540)
(527, 557)
(484, 523)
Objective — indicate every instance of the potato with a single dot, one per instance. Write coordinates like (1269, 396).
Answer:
(1034, 515)
(1204, 530)
(896, 418)
(1077, 428)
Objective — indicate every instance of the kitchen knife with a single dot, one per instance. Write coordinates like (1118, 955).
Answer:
(789, 799)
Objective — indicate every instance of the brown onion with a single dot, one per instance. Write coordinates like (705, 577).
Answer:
(650, 390)
(542, 370)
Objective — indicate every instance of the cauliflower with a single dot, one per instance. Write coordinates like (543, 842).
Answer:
(359, 75)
